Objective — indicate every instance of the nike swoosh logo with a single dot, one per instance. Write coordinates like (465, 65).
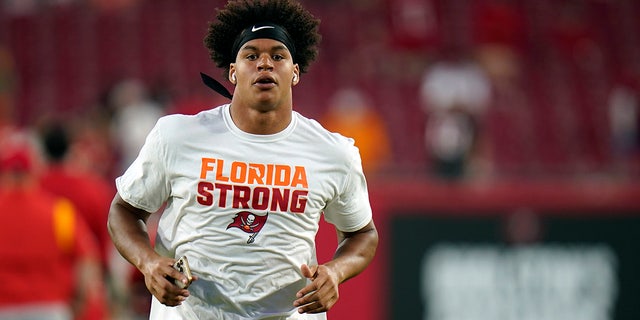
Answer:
(254, 29)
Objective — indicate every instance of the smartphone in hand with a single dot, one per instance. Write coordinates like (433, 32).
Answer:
(182, 265)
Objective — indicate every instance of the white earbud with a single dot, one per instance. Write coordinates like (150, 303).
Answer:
(233, 77)
(295, 77)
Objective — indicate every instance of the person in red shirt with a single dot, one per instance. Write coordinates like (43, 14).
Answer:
(49, 267)
(90, 193)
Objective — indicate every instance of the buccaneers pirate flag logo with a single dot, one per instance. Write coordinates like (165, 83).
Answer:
(249, 223)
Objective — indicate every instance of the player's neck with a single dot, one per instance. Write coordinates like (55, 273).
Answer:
(261, 120)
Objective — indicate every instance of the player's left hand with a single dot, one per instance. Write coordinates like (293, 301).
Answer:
(322, 293)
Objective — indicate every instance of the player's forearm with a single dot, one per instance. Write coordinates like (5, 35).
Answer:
(355, 251)
(128, 232)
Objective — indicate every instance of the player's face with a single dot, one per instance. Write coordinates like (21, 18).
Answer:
(264, 74)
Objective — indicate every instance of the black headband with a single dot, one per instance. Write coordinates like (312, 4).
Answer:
(261, 31)
(256, 31)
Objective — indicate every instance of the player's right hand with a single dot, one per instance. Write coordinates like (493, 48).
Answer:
(158, 277)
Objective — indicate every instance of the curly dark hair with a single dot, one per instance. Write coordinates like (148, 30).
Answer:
(237, 15)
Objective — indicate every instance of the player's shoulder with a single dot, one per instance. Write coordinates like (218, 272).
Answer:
(316, 130)
(176, 128)
(183, 121)
(331, 144)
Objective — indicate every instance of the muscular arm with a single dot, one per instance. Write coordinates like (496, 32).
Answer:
(127, 227)
(128, 231)
(355, 252)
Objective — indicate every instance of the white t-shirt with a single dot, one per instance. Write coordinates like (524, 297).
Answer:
(244, 208)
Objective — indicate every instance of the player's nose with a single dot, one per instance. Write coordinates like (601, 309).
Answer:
(265, 62)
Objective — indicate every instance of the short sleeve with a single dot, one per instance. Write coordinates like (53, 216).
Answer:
(144, 184)
(351, 210)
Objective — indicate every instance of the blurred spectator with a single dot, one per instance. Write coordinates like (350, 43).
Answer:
(134, 116)
(454, 92)
(69, 175)
(90, 193)
(50, 266)
(624, 122)
(351, 115)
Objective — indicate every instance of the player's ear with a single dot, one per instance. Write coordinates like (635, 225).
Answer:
(232, 73)
(296, 75)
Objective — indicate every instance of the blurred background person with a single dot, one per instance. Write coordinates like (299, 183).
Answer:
(624, 124)
(455, 93)
(351, 114)
(66, 174)
(50, 266)
(64, 177)
(134, 114)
